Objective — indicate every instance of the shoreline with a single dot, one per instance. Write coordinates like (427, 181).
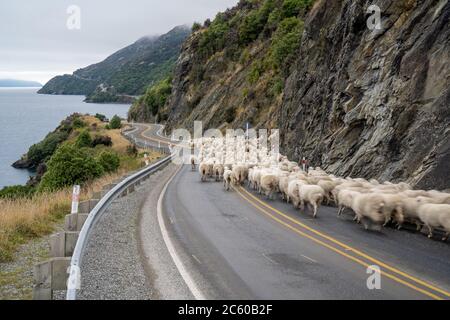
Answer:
(27, 117)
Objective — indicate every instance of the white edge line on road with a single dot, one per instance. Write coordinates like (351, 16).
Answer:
(308, 258)
(196, 292)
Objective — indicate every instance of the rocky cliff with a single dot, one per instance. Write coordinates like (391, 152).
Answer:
(359, 102)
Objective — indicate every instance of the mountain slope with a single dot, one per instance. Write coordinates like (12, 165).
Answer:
(127, 72)
(357, 102)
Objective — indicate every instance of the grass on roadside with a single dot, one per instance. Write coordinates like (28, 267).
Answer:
(25, 219)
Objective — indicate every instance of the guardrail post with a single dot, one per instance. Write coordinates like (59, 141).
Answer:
(50, 276)
(63, 244)
(106, 189)
(87, 206)
(131, 189)
(75, 222)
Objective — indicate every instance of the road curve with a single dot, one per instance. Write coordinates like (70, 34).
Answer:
(238, 245)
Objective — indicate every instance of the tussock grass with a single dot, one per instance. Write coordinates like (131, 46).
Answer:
(28, 218)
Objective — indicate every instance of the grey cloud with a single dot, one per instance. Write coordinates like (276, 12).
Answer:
(35, 42)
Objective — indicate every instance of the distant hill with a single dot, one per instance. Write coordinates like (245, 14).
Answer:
(9, 83)
(127, 72)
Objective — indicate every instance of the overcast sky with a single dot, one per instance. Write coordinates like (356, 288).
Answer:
(36, 44)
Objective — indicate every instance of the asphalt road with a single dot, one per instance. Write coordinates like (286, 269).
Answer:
(238, 245)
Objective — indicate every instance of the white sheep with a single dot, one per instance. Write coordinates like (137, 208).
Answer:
(293, 193)
(393, 208)
(218, 170)
(328, 186)
(370, 206)
(312, 195)
(193, 163)
(345, 200)
(240, 173)
(227, 179)
(206, 170)
(435, 216)
(269, 184)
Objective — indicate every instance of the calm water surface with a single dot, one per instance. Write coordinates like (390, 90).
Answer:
(26, 117)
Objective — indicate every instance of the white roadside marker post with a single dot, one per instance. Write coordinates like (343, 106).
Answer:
(75, 199)
(147, 161)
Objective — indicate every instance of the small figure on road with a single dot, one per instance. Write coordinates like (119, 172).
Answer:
(193, 165)
(304, 163)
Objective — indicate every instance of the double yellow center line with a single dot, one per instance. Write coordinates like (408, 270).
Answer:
(336, 245)
(343, 249)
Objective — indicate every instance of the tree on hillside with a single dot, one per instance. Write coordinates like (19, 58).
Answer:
(69, 166)
(84, 140)
(115, 123)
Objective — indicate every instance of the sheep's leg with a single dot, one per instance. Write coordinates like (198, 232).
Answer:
(302, 205)
(430, 228)
(387, 220)
(365, 223)
(419, 226)
(340, 210)
(315, 210)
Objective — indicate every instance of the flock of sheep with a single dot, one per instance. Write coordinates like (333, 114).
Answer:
(241, 160)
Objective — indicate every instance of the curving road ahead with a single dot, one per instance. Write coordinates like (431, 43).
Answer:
(238, 245)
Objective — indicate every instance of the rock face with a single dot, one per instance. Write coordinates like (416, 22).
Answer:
(362, 103)
(373, 103)
(22, 164)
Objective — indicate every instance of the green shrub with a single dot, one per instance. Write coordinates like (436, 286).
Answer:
(256, 71)
(276, 86)
(291, 8)
(274, 18)
(196, 26)
(100, 117)
(254, 23)
(109, 161)
(15, 192)
(40, 152)
(286, 40)
(69, 166)
(115, 123)
(251, 28)
(84, 140)
(102, 140)
(213, 39)
(157, 95)
(78, 123)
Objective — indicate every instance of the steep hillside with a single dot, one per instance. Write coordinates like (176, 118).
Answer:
(232, 70)
(355, 101)
(127, 72)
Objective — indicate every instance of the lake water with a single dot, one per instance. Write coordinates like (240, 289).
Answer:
(27, 117)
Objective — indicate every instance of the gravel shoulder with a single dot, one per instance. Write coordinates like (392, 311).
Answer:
(165, 277)
(126, 258)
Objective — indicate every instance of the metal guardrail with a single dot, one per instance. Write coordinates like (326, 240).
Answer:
(97, 212)
(146, 144)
